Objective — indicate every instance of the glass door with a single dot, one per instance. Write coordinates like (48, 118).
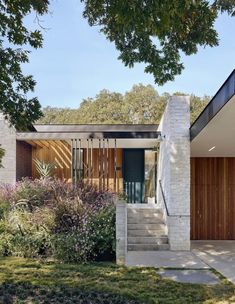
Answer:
(139, 175)
(150, 172)
(133, 175)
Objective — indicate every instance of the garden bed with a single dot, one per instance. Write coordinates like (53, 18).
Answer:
(49, 218)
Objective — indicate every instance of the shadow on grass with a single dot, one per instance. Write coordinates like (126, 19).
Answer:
(32, 281)
(24, 292)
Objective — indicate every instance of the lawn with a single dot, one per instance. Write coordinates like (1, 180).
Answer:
(31, 281)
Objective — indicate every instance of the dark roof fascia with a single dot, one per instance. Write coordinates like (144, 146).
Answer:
(223, 95)
(96, 128)
(86, 135)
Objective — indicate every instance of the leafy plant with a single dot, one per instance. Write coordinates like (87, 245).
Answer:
(2, 153)
(50, 218)
(15, 34)
(142, 104)
(157, 33)
(44, 169)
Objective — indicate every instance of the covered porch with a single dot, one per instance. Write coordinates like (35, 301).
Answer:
(213, 168)
(119, 158)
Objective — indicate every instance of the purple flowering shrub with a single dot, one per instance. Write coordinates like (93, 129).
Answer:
(51, 218)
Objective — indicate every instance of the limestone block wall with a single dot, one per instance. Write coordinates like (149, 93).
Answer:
(174, 170)
(8, 142)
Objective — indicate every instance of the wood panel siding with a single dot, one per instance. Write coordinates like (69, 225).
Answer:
(98, 164)
(23, 160)
(213, 198)
(58, 152)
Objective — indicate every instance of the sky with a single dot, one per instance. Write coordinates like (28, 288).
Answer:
(77, 61)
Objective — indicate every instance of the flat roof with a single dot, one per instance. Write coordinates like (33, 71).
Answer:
(99, 131)
(223, 95)
(95, 128)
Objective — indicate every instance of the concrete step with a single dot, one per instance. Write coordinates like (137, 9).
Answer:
(145, 233)
(144, 211)
(147, 247)
(160, 226)
(144, 214)
(147, 240)
(144, 220)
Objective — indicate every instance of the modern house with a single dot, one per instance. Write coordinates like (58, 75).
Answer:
(179, 180)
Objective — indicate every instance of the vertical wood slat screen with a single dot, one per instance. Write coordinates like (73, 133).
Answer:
(213, 198)
(101, 166)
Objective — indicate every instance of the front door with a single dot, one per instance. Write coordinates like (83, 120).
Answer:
(133, 175)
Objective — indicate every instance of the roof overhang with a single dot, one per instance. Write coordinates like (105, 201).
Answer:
(132, 136)
(58, 132)
(213, 133)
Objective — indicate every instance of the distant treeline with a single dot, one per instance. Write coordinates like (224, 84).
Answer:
(142, 104)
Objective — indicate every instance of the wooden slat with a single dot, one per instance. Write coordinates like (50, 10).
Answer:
(53, 151)
(213, 198)
(31, 142)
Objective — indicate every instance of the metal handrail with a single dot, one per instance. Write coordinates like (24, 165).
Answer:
(165, 203)
(164, 198)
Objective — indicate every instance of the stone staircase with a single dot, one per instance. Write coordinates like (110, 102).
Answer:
(146, 230)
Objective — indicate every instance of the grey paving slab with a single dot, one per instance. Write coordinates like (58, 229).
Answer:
(167, 259)
(197, 276)
(219, 255)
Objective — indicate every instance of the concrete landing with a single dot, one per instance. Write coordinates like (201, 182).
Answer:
(166, 259)
(197, 276)
(219, 255)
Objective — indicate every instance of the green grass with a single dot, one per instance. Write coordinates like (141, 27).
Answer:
(30, 281)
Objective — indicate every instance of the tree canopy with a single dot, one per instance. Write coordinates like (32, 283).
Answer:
(20, 110)
(142, 104)
(156, 32)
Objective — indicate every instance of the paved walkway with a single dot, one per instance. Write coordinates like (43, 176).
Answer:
(219, 255)
(167, 259)
(193, 276)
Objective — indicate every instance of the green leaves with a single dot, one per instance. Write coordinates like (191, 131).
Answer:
(43, 168)
(142, 104)
(14, 86)
(2, 153)
(157, 32)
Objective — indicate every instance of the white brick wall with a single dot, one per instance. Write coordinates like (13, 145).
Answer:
(174, 170)
(8, 142)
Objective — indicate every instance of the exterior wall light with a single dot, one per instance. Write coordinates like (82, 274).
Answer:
(212, 148)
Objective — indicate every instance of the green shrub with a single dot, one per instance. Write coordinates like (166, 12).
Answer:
(103, 233)
(30, 232)
(4, 208)
(83, 232)
(49, 218)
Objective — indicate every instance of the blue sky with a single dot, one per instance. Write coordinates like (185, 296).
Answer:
(77, 61)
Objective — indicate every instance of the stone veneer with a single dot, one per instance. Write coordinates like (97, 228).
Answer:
(174, 170)
(8, 142)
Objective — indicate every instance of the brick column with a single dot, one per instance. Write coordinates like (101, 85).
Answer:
(8, 142)
(174, 170)
(121, 232)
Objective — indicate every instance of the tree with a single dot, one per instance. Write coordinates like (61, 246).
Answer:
(142, 104)
(20, 110)
(156, 32)
(197, 104)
